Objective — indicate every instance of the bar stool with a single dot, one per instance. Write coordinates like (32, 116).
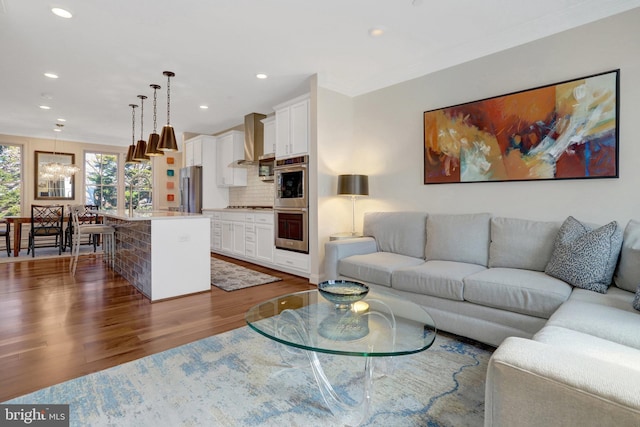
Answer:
(108, 237)
(6, 232)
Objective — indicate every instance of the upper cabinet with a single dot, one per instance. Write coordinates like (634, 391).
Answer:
(201, 151)
(193, 151)
(230, 149)
(292, 127)
(269, 134)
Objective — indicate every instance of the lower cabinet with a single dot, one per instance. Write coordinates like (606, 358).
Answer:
(249, 236)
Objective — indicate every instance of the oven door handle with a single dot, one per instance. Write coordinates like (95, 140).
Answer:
(278, 209)
(288, 168)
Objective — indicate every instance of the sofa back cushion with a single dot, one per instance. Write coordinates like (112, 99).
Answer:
(520, 243)
(398, 232)
(460, 238)
(628, 273)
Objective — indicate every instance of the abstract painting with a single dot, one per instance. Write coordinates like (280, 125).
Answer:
(566, 130)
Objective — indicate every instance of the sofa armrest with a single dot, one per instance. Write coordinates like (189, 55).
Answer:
(335, 250)
(535, 384)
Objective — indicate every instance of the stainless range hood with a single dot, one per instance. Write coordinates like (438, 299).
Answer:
(253, 140)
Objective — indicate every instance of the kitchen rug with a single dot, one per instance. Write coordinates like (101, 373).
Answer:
(237, 379)
(231, 277)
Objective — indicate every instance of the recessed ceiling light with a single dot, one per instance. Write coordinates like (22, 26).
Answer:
(62, 120)
(51, 75)
(261, 76)
(45, 107)
(61, 12)
(57, 130)
(376, 31)
(204, 107)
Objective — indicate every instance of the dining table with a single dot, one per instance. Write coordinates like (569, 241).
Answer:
(17, 221)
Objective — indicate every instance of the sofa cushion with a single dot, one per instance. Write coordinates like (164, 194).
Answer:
(521, 243)
(589, 345)
(460, 238)
(436, 278)
(609, 316)
(636, 299)
(522, 291)
(402, 233)
(376, 267)
(584, 257)
(628, 273)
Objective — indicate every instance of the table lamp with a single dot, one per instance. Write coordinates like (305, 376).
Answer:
(354, 186)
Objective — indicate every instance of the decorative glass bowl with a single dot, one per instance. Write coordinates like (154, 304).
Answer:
(343, 293)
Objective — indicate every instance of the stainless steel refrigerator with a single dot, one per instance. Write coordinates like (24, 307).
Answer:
(191, 189)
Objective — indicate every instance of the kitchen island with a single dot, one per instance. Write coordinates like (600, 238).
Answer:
(163, 254)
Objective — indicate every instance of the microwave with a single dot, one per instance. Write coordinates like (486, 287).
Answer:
(265, 167)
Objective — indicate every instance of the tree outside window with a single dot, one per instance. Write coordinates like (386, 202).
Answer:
(138, 180)
(101, 180)
(10, 180)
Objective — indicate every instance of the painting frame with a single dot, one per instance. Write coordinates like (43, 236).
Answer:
(559, 131)
(46, 189)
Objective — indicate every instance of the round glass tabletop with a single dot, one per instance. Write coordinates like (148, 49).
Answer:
(381, 324)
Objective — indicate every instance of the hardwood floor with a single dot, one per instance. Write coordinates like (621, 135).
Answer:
(54, 327)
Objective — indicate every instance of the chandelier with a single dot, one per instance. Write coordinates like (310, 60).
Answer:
(56, 171)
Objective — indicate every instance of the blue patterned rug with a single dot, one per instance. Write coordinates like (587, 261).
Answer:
(237, 379)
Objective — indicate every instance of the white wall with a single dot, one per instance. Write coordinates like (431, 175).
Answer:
(387, 134)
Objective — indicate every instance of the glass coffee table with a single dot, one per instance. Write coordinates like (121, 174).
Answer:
(379, 325)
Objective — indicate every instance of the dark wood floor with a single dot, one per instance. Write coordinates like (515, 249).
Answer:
(54, 327)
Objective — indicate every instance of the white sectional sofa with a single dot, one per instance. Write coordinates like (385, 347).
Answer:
(568, 342)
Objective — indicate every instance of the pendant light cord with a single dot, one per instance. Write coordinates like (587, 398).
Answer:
(133, 123)
(168, 98)
(142, 117)
(155, 101)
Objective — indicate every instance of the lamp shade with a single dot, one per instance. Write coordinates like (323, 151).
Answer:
(152, 146)
(139, 152)
(130, 153)
(167, 139)
(353, 185)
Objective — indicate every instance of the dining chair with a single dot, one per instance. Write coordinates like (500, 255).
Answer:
(84, 217)
(46, 222)
(107, 232)
(5, 230)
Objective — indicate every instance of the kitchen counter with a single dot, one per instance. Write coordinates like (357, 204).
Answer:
(163, 254)
(124, 214)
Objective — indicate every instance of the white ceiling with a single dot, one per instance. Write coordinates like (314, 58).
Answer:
(111, 51)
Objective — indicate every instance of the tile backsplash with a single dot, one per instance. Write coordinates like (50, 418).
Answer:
(256, 193)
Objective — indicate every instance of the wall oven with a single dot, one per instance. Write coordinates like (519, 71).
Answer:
(292, 229)
(291, 183)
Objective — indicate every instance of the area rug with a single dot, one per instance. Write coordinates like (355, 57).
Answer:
(231, 277)
(237, 379)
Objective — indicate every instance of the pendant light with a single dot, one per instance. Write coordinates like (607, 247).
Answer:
(141, 146)
(168, 137)
(154, 138)
(132, 147)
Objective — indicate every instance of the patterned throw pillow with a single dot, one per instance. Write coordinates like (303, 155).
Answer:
(636, 300)
(584, 257)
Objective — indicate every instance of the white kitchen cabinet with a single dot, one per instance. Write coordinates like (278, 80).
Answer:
(216, 229)
(230, 148)
(201, 151)
(264, 244)
(226, 236)
(249, 235)
(193, 151)
(269, 134)
(292, 260)
(292, 127)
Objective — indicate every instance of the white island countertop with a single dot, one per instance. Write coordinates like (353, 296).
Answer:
(123, 214)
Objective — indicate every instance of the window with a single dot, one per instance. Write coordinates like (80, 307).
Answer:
(10, 180)
(138, 179)
(101, 180)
